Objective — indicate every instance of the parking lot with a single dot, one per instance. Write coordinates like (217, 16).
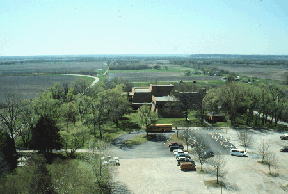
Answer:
(151, 167)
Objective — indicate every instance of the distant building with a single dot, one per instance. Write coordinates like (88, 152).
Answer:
(159, 96)
(143, 95)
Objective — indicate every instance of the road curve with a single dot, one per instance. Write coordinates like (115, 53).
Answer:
(94, 82)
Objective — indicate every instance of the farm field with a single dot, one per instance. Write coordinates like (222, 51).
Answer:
(169, 69)
(27, 87)
(259, 71)
(160, 76)
(27, 80)
(51, 67)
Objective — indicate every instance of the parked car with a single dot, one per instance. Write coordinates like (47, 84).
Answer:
(233, 152)
(241, 153)
(209, 154)
(187, 166)
(284, 137)
(183, 157)
(108, 160)
(174, 144)
(285, 149)
(186, 160)
(176, 151)
(173, 147)
(179, 154)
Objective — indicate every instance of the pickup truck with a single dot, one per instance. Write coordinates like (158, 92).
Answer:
(284, 137)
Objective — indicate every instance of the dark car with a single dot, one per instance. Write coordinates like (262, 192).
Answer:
(209, 154)
(174, 144)
(176, 147)
(285, 149)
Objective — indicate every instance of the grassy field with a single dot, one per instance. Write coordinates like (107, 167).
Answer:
(169, 69)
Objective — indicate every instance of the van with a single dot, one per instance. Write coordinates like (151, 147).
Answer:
(234, 152)
(237, 152)
(187, 166)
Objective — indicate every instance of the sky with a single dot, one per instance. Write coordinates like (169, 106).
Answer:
(79, 27)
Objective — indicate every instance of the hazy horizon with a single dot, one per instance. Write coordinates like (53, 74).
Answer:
(50, 27)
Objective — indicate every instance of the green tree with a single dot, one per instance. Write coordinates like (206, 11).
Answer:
(146, 117)
(57, 91)
(188, 73)
(8, 156)
(157, 67)
(44, 105)
(79, 86)
(70, 113)
(45, 135)
(118, 100)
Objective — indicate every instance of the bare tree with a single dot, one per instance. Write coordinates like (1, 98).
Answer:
(271, 160)
(94, 161)
(199, 148)
(187, 135)
(9, 117)
(245, 138)
(263, 149)
(218, 163)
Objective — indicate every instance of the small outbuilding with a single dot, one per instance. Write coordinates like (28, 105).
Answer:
(216, 117)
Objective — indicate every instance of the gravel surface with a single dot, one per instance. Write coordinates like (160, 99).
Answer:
(151, 167)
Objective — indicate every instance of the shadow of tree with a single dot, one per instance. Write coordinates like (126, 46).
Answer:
(157, 138)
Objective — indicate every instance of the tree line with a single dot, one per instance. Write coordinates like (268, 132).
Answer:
(64, 116)
(240, 100)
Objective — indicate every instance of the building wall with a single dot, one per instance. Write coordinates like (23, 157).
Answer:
(161, 90)
(142, 97)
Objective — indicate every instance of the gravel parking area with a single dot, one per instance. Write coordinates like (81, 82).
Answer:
(151, 167)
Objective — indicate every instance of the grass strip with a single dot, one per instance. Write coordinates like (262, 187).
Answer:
(137, 140)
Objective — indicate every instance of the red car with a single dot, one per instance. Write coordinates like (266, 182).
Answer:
(284, 137)
(174, 144)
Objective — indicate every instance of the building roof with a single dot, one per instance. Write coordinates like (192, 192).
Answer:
(148, 103)
(165, 98)
(142, 90)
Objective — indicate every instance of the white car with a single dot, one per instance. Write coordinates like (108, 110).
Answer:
(238, 152)
(178, 151)
(114, 161)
